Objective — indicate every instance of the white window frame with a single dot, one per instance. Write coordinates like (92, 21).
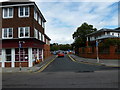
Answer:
(43, 24)
(24, 11)
(36, 33)
(8, 55)
(7, 33)
(46, 41)
(39, 20)
(35, 14)
(8, 13)
(24, 32)
(43, 38)
(40, 36)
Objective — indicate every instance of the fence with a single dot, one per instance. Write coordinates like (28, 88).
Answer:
(112, 52)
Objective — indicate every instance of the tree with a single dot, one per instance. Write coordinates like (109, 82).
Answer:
(80, 35)
(56, 46)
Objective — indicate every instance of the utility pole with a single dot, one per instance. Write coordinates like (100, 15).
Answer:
(97, 51)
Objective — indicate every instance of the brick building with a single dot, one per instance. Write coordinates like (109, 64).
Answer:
(111, 52)
(23, 34)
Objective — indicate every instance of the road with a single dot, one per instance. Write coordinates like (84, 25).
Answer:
(64, 73)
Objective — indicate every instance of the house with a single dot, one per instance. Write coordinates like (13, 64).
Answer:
(103, 34)
(23, 34)
(98, 38)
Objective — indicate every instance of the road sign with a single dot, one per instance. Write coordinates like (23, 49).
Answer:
(20, 45)
(96, 43)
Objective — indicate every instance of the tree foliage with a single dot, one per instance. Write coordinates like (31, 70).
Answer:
(110, 42)
(64, 47)
(80, 35)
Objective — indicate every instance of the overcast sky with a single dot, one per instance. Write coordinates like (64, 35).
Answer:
(63, 17)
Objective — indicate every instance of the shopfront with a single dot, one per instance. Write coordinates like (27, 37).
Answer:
(24, 57)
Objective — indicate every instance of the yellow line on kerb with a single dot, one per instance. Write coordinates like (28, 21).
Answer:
(72, 58)
(46, 65)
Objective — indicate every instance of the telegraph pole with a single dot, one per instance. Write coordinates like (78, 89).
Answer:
(97, 51)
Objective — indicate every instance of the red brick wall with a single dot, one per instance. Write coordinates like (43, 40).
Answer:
(19, 22)
(7, 64)
(88, 53)
(47, 51)
(23, 64)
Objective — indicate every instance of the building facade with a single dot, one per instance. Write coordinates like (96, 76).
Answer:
(103, 34)
(23, 34)
(97, 38)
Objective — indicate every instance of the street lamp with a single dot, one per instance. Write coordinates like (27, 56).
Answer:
(97, 51)
(20, 46)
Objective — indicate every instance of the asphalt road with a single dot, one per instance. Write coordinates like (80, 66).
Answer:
(64, 73)
(65, 64)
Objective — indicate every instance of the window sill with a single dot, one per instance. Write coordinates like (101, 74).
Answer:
(23, 37)
(7, 17)
(7, 38)
(23, 16)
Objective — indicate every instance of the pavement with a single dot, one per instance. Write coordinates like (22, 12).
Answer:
(35, 68)
(105, 62)
(41, 66)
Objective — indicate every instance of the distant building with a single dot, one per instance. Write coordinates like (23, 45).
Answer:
(103, 34)
(23, 34)
(111, 52)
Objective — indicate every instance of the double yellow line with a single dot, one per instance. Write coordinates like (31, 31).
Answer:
(72, 58)
(45, 66)
(83, 62)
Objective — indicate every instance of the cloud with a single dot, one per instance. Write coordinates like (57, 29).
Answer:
(76, 0)
(63, 18)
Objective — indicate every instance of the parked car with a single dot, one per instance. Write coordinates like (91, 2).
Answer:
(60, 54)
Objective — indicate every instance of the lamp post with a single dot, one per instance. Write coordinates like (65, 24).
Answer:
(97, 51)
(20, 46)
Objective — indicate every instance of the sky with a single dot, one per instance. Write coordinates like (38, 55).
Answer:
(64, 16)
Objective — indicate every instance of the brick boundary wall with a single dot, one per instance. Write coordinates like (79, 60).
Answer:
(89, 53)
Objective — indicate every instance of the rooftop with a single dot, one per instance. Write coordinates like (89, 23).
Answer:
(105, 30)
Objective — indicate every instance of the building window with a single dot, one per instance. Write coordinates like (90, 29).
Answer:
(43, 24)
(40, 53)
(7, 33)
(35, 15)
(8, 54)
(24, 32)
(23, 11)
(7, 12)
(47, 41)
(34, 54)
(113, 34)
(108, 33)
(23, 54)
(40, 36)
(43, 38)
(39, 20)
(36, 33)
(0, 55)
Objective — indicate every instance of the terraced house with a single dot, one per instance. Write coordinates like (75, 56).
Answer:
(23, 34)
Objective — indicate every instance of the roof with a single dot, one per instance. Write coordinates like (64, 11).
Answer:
(47, 37)
(18, 2)
(107, 36)
(105, 30)
(117, 29)
(13, 2)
